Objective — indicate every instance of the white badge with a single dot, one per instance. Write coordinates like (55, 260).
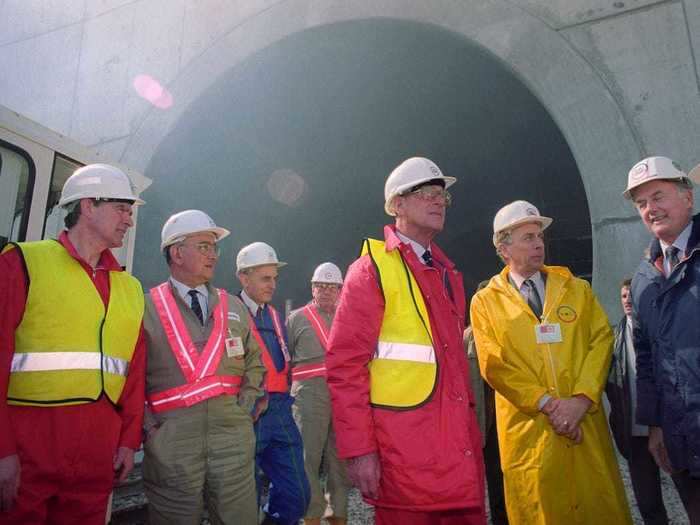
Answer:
(234, 347)
(548, 333)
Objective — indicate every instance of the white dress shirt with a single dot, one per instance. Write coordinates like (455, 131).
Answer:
(418, 248)
(535, 278)
(203, 295)
(252, 305)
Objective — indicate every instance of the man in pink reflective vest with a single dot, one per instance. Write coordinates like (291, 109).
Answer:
(203, 379)
(308, 329)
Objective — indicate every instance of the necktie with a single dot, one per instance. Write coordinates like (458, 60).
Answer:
(533, 297)
(196, 307)
(427, 257)
(672, 257)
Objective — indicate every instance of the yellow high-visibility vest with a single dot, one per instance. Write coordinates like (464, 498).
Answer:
(68, 351)
(403, 371)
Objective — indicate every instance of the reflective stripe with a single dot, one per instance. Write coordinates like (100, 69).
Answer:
(405, 352)
(161, 290)
(300, 373)
(191, 394)
(50, 361)
(319, 325)
(278, 330)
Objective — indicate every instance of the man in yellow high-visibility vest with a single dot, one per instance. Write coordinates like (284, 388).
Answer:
(72, 359)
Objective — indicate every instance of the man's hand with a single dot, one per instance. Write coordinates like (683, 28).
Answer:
(123, 463)
(566, 417)
(550, 406)
(657, 448)
(9, 481)
(364, 472)
(576, 435)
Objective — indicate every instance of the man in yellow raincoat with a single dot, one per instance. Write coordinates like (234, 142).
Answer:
(545, 345)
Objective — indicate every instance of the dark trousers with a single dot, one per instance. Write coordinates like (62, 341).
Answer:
(494, 478)
(689, 490)
(646, 482)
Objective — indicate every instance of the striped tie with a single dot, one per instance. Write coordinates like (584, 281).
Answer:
(533, 297)
(196, 306)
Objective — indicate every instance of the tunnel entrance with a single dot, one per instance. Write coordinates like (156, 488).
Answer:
(293, 145)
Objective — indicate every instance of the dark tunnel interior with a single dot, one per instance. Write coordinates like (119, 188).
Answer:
(293, 145)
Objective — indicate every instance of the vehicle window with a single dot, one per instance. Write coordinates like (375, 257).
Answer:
(16, 186)
(63, 168)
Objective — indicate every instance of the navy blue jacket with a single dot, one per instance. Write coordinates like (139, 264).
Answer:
(667, 341)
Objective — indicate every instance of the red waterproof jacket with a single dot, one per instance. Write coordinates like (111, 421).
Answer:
(430, 456)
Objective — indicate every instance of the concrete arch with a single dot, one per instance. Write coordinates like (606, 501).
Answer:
(602, 142)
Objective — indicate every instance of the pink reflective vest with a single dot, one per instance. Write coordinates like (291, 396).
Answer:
(199, 369)
(322, 331)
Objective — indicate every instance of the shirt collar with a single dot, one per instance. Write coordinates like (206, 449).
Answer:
(681, 241)
(252, 305)
(418, 248)
(535, 277)
(107, 260)
(184, 290)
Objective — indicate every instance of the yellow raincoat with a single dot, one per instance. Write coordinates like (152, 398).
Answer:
(548, 479)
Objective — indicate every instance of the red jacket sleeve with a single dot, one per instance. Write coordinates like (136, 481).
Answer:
(132, 400)
(13, 296)
(352, 343)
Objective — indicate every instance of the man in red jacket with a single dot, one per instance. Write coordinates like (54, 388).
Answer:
(397, 372)
(72, 360)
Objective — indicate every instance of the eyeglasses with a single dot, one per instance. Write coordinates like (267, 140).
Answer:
(326, 286)
(426, 193)
(205, 248)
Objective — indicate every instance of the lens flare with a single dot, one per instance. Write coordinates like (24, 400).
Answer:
(150, 89)
(286, 186)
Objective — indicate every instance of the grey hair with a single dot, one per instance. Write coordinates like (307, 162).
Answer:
(683, 185)
(502, 237)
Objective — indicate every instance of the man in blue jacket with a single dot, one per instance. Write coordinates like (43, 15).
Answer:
(666, 299)
(279, 452)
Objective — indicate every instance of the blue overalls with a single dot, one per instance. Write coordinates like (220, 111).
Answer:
(279, 452)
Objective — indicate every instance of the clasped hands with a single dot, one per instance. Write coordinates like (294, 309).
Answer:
(565, 415)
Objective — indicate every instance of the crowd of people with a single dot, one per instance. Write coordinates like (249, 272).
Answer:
(388, 380)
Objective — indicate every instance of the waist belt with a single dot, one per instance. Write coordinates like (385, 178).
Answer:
(299, 373)
(193, 393)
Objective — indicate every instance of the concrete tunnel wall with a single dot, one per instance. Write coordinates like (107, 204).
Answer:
(620, 79)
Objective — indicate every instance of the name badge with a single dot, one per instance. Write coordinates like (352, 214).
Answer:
(234, 347)
(548, 333)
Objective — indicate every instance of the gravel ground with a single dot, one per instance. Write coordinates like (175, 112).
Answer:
(362, 514)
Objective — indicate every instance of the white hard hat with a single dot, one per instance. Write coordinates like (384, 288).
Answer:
(411, 173)
(327, 272)
(97, 181)
(515, 214)
(653, 168)
(189, 222)
(257, 254)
